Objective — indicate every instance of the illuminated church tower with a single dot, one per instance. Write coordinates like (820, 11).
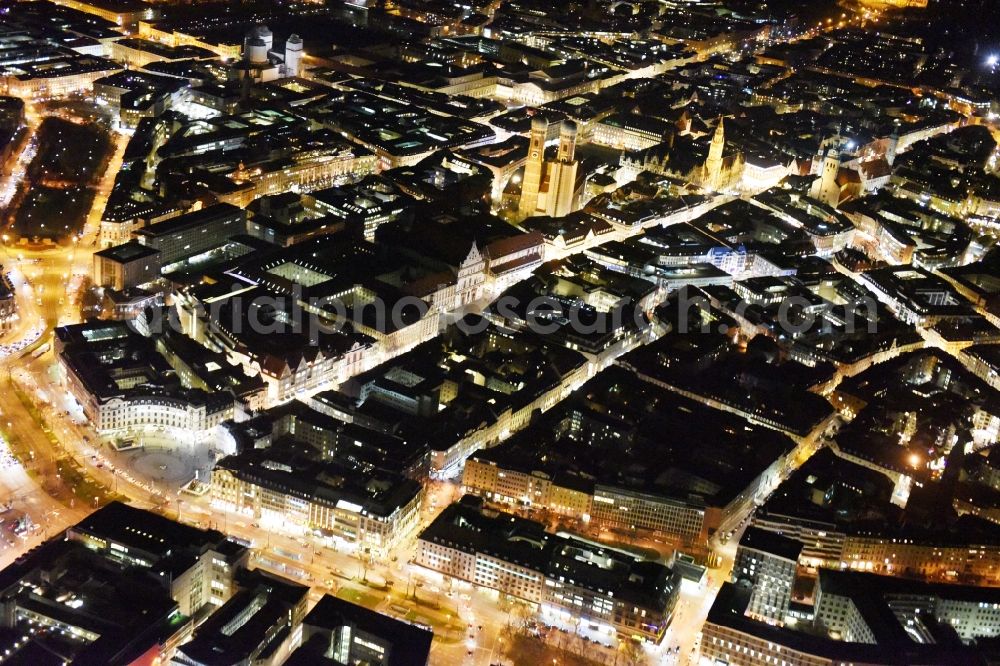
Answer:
(549, 187)
(825, 187)
(532, 179)
(713, 165)
(561, 196)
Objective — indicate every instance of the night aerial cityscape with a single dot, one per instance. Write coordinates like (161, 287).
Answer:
(500, 332)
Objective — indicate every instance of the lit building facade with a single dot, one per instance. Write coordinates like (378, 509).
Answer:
(370, 511)
(517, 557)
(770, 562)
(194, 412)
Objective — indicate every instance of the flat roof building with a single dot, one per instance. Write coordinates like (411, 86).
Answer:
(125, 266)
(370, 509)
(192, 233)
(339, 632)
(256, 626)
(123, 586)
(518, 557)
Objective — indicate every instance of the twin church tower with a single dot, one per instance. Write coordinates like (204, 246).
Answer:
(549, 186)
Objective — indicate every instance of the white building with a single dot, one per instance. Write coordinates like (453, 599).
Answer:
(769, 561)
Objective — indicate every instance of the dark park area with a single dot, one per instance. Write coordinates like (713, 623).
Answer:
(53, 201)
